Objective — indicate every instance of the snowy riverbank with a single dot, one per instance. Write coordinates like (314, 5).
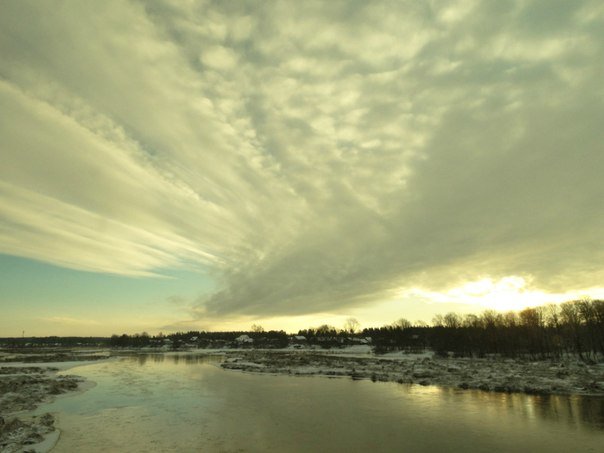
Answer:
(22, 389)
(566, 376)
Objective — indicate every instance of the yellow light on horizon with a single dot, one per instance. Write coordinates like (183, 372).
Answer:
(508, 293)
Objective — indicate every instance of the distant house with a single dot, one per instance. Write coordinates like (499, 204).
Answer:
(298, 341)
(244, 339)
(191, 342)
(165, 344)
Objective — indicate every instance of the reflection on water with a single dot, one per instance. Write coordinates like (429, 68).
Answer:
(574, 411)
(186, 359)
(186, 402)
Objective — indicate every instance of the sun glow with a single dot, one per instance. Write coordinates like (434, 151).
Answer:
(508, 293)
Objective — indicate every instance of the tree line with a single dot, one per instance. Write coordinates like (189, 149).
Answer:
(202, 339)
(550, 331)
(53, 341)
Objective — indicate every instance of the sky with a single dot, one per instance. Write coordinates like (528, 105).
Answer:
(184, 165)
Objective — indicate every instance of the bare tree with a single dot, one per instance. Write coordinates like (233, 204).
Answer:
(351, 325)
(452, 320)
(257, 328)
(325, 329)
(438, 321)
(402, 324)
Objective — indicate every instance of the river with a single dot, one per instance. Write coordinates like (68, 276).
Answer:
(187, 403)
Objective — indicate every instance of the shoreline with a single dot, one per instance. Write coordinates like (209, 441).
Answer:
(560, 377)
(24, 386)
(23, 389)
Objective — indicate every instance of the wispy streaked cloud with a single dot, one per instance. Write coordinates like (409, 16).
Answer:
(69, 321)
(310, 156)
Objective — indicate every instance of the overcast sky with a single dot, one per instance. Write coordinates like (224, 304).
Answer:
(282, 160)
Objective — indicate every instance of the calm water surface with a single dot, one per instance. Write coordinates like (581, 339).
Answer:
(186, 403)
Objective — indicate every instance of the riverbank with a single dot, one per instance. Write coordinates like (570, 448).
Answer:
(22, 389)
(52, 355)
(563, 377)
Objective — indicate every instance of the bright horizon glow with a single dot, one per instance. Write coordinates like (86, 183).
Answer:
(507, 294)
(512, 293)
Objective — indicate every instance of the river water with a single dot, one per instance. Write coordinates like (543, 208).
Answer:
(187, 403)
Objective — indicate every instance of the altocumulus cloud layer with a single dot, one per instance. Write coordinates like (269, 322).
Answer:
(309, 155)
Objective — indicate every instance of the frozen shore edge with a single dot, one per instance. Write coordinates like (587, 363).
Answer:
(23, 389)
(546, 377)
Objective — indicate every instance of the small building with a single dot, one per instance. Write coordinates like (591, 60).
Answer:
(244, 339)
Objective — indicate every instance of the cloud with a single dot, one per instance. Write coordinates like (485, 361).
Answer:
(310, 156)
(66, 320)
(219, 57)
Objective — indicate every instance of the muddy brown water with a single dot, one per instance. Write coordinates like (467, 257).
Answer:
(187, 403)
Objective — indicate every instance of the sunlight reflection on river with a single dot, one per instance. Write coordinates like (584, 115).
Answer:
(173, 402)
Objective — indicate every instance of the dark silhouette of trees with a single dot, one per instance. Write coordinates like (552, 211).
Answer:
(257, 328)
(535, 333)
(53, 341)
(575, 327)
(202, 339)
(351, 325)
(544, 332)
